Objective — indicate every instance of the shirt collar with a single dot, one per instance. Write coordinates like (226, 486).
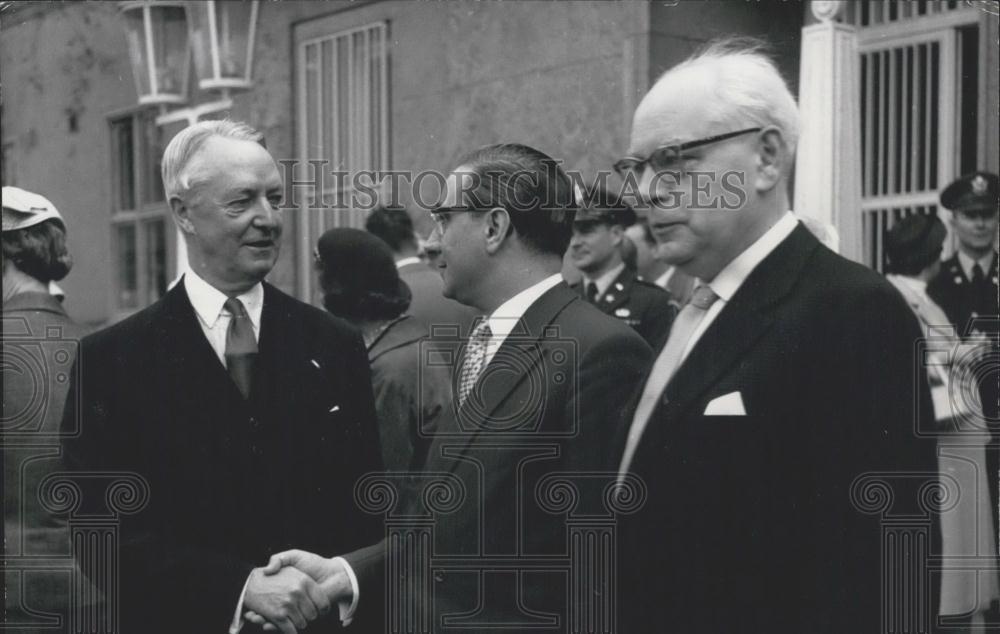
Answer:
(604, 281)
(967, 263)
(407, 261)
(208, 300)
(504, 318)
(729, 279)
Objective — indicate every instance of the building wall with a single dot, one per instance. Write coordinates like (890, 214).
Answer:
(560, 76)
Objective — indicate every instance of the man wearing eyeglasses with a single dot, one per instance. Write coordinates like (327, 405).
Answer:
(789, 374)
(539, 388)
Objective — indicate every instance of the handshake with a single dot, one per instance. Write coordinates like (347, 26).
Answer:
(293, 589)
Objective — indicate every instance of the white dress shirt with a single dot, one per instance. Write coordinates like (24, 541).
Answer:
(966, 262)
(213, 318)
(604, 281)
(407, 261)
(729, 279)
(504, 319)
(664, 279)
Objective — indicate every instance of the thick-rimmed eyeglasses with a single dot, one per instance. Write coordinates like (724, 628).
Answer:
(669, 157)
(440, 215)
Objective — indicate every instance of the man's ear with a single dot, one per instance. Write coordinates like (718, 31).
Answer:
(772, 159)
(497, 227)
(181, 214)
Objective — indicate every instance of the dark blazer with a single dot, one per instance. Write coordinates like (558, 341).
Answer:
(749, 524)
(428, 304)
(547, 402)
(410, 393)
(231, 481)
(644, 306)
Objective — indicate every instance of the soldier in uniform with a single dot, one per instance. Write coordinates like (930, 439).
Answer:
(598, 233)
(967, 289)
(967, 286)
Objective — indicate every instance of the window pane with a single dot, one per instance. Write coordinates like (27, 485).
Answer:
(124, 154)
(126, 260)
(152, 153)
(156, 259)
(969, 99)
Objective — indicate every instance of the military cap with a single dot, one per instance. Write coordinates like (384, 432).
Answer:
(600, 207)
(977, 190)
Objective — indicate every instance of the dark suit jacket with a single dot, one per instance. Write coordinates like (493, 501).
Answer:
(410, 393)
(231, 481)
(644, 306)
(428, 304)
(548, 401)
(749, 525)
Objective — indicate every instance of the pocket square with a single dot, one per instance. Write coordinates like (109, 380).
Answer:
(726, 405)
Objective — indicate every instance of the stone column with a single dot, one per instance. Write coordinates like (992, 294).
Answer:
(828, 162)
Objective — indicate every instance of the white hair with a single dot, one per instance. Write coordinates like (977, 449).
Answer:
(183, 147)
(748, 90)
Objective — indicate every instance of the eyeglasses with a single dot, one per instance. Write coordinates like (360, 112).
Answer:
(668, 157)
(440, 214)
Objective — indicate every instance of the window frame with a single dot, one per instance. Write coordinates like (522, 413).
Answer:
(141, 216)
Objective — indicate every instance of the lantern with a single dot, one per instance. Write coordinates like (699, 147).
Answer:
(222, 37)
(157, 37)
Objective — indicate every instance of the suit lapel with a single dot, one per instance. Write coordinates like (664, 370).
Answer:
(523, 345)
(744, 319)
(189, 358)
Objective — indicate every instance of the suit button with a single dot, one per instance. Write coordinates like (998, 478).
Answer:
(257, 451)
(254, 422)
(665, 400)
(438, 576)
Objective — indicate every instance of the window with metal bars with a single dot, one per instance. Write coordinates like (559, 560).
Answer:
(919, 105)
(343, 114)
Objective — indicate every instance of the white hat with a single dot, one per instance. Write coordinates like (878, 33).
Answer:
(23, 209)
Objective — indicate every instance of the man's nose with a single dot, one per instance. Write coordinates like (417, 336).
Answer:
(433, 242)
(267, 216)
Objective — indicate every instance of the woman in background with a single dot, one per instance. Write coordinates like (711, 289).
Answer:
(914, 247)
(360, 283)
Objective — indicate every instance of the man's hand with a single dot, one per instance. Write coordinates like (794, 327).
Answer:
(329, 574)
(287, 598)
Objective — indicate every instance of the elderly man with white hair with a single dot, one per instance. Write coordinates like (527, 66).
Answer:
(248, 414)
(789, 377)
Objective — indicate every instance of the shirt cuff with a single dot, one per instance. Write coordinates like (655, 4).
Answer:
(346, 609)
(237, 623)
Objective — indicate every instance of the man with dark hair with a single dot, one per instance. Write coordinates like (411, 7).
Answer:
(395, 228)
(538, 389)
(596, 250)
(247, 413)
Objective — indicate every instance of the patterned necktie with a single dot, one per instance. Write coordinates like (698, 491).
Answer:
(475, 357)
(241, 346)
(591, 292)
(665, 365)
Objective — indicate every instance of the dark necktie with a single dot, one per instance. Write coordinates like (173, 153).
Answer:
(592, 292)
(977, 274)
(241, 346)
